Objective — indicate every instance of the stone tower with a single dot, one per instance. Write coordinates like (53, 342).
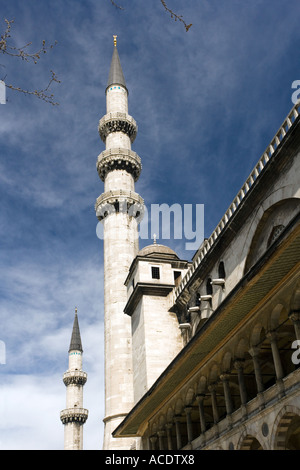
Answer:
(119, 209)
(74, 416)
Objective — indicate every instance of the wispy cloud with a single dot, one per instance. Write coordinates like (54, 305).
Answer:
(206, 103)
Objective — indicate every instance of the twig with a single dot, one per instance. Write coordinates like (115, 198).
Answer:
(41, 94)
(176, 17)
(115, 5)
(21, 52)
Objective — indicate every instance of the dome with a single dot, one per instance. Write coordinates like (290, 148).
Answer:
(158, 251)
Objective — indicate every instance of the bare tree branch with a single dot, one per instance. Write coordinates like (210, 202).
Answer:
(115, 5)
(175, 16)
(41, 94)
(24, 54)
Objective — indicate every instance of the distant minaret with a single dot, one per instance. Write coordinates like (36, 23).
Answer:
(118, 208)
(74, 416)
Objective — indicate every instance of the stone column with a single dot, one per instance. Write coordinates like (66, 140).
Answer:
(295, 317)
(178, 434)
(212, 389)
(169, 437)
(258, 378)
(239, 365)
(161, 440)
(272, 335)
(153, 440)
(200, 399)
(228, 400)
(189, 425)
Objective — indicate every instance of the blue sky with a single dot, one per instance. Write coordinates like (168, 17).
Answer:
(207, 103)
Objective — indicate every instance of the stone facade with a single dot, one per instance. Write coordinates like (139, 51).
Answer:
(199, 355)
(118, 209)
(234, 384)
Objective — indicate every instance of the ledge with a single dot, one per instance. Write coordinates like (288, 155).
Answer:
(141, 289)
(74, 415)
(117, 122)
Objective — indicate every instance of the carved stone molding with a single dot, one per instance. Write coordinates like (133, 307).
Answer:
(120, 200)
(119, 159)
(71, 415)
(75, 377)
(117, 122)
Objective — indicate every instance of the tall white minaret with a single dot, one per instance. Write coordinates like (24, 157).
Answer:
(119, 209)
(74, 416)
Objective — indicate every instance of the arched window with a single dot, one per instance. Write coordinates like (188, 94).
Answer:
(209, 289)
(221, 271)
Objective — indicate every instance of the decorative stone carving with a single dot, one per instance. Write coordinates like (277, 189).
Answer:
(119, 159)
(70, 415)
(120, 200)
(75, 377)
(117, 122)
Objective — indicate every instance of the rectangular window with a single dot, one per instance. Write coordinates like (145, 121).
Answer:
(155, 272)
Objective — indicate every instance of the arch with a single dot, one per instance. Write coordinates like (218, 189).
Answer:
(276, 211)
(189, 396)
(170, 415)
(214, 373)
(256, 333)
(295, 299)
(202, 385)
(250, 442)
(276, 314)
(178, 409)
(286, 429)
(226, 361)
(242, 348)
(161, 421)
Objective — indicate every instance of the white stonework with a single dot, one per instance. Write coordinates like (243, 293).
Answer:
(117, 129)
(198, 354)
(74, 416)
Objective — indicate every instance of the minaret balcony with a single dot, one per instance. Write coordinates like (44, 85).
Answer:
(117, 122)
(119, 200)
(74, 415)
(119, 159)
(77, 377)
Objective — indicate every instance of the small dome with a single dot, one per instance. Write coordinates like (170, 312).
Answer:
(156, 250)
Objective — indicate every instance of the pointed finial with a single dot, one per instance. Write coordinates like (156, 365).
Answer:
(154, 238)
(76, 310)
(115, 40)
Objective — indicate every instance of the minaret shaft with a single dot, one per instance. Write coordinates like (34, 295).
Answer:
(119, 167)
(74, 416)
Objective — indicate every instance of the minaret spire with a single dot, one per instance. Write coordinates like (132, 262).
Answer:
(75, 344)
(74, 416)
(116, 76)
(119, 208)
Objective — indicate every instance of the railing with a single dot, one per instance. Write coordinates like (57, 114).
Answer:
(250, 181)
(79, 415)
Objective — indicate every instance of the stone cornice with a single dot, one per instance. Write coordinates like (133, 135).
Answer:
(76, 377)
(119, 159)
(74, 415)
(119, 200)
(143, 288)
(117, 122)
